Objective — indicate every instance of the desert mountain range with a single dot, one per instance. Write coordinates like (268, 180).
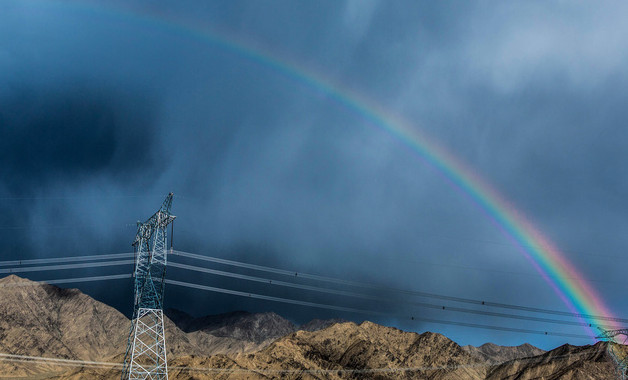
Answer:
(38, 320)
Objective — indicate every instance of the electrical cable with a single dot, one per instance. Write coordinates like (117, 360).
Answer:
(364, 311)
(66, 259)
(298, 286)
(370, 297)
(67, 280)
(58, 361)
(394, 290)
(66, 266)
(117, 366)
(277, 283)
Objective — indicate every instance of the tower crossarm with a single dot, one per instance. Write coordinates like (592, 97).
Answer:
(160, 219)
(610, 335)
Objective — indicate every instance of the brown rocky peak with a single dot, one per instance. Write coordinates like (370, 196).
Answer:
(320, 324)
(564, 362)
(44, 320)
(241, 325)
(495, 354)
(13, 279)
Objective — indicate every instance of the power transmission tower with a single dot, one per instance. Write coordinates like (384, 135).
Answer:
(616, 350)
(145, 356)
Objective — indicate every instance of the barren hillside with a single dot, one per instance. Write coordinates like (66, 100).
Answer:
(46, 321)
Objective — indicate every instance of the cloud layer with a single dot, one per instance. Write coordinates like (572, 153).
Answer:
(103, 113)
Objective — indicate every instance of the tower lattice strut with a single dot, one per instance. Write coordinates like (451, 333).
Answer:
(615, 350)
(145, 356)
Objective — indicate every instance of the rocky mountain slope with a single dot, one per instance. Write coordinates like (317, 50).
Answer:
(341, 351)
(498, 354)
(241, 325)
(369, 351)
(38, 319)
(251, 327)
(565, 362)
(47, 321)
(43, 320)
(319, 324)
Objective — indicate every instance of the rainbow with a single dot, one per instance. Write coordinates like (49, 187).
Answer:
(545, 257)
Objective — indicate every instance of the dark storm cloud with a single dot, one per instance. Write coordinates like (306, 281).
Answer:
(71, 135)
(518, 92)
(60, 139)
(268, 169)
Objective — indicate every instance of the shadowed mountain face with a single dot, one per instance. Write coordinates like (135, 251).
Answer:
(498, 354)
(242, 325)
(253, 327)
(319, 324)
(44, 320)
(590, 362)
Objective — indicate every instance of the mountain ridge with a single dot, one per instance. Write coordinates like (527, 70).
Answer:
(495, 354)
(45, 320)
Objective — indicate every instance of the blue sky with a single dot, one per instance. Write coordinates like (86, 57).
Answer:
(103, 114)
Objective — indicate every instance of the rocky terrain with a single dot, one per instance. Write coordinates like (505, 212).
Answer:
(46, 321)
(319, 324)
(495, 354)
(240, 325)
(350, 351)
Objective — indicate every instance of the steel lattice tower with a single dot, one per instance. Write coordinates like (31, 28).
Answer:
(145, 356)
(615, 351)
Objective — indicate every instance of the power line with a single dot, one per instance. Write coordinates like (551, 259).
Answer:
(118, 366)
(66, 266)
(58, 361)
(370, 297)
(72, 197)
(364, 311)
(54, 226)
(35, 227)
(290, 285)
(394, 290)
(88, 279)
(278, 283)
(68, 280)
(310, 304)
(65, 259)
(300, 286)
(282, 300)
